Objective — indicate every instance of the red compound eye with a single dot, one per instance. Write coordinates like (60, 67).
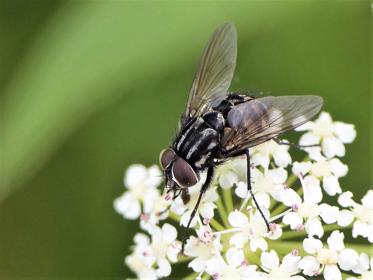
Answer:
(166, 156)
(183, 174)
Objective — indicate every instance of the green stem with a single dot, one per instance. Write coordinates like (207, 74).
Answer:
(184, 259)
(285, 247)
(222, 212)
(174, 217)
(227, 196)
(216, 225)
(279, 209)
(291, 180)
(191, 276)
(294, 234)
(251, 256)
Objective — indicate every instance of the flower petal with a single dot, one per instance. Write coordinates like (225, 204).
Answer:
(238, 219)
(314, 227)
(368, 199)
(338, 168)
(135, 175)
(331, 185)
(128, 206)
(332, 146)
(228, 179)
(290, 263)
(335, 241)
(270, 260)
(235, 257)
(164, 268)
(292, 219)
(345, 132)
(282, 158)
(300, 169)
(348, 259)
(278, 175)
(169, 233)
(362, 265)
(309, 265)
(198, 264)
(328, 213)
(311, 245)
(241, 190)
(258, 243)
(238, 239)
(309, 138)
(345, 199)
(345, 217)
(331, 272)
(311, 189)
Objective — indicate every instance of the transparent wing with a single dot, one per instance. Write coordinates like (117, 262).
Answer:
(258, 120)
(215, 72)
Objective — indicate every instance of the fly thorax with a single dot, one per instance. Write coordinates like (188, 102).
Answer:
(200, 139)
(215, 119)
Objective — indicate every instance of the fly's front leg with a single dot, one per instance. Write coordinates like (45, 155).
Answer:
(249, 188)
(210, 175)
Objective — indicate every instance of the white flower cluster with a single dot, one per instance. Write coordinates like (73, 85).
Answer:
(231, 241)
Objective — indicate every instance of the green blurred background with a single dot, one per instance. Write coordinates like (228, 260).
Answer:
(87, 88)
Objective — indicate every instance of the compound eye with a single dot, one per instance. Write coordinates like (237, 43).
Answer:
(183, 174)
(166, 156)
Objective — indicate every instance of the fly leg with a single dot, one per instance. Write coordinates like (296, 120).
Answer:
(300, 147)
(249, 188)
(210, 175)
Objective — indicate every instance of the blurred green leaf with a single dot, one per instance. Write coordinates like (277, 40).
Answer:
(77, 62)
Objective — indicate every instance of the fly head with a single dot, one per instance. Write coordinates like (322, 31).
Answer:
(178, 172)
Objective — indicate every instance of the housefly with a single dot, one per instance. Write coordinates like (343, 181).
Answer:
(218, 125)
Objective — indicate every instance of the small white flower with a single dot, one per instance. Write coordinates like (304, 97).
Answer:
(331, 135)
(263, 153)
(306, 213)
(151, 260)
(286, 270)
(235, 266)
(142, 184)
(202, 248)
(141, 260)
(361, 213)
(164, 248)
(205, 209)
(231, 172)
(327, 171)
(156, 208)
(362, 265)
(264, 185)
(250, 228)
(328, 260)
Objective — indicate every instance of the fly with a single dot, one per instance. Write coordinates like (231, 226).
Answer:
(218, 125)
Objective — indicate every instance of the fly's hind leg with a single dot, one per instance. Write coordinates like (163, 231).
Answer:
(249, 188)
(300, 147)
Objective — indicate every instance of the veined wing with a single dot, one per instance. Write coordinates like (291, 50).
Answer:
(214, 74)
(258, 120)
